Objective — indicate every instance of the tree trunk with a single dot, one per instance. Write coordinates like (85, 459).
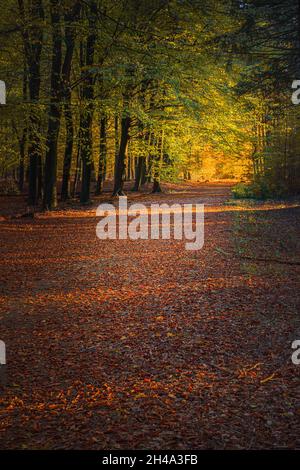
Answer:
(78, 165)
(40, 177)
(157, 169)
(120, 164)
(156, 186)
(22, 160)
(50, 196)
(128, 160)
(87, 120)
(140, 167)
(117, 142)
(138, 174)
(144, 172)
(86, 156)
(70, 17)
(23, 140)
(65, 188)
(102, 155)
(33, 43)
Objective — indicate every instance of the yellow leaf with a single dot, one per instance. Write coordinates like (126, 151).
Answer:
(267, 379)
(139, 395)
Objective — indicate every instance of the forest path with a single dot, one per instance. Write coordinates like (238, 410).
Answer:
(143, 344)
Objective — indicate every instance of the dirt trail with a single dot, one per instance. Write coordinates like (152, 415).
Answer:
(143, 344)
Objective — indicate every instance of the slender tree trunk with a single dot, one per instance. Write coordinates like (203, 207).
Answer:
(23, 140)
(86, 155)
(70, 17)
(120, 164)
(78, 166)
(158, 162)
(117, 142)
(78, 169)
(87, 120)
(138, 173)
(128, 162)
(33, 43)
(22, 160)
(140, 164)
(125, 126)
(102, 155)
(65, 188)
(40, 177)
(144, 172)
(50, 196)
(34, 153)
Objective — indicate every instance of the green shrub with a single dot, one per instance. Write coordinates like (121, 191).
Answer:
(259, 190)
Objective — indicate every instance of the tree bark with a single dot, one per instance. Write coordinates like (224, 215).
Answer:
(125, 126)
(50, 196)
(70, 34)
(87, 118)
(158, 162)
(33, 42)
(22, 160)
(140, 164)
(23, 140)
(120, 164)
(138, 173)
(102, 155)
(65, 188)
(78, 166)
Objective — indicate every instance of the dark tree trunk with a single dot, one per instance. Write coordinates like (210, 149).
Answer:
(128, 160)
(124, 139)
(87, 119)
(65, 188)
(86, 160)
(40, 177)
(70, 17)
(50, 197)
(138, 173)
(140, 169)
(86, 155)
(156, 186)
(78, 166)
(144, 172)
(157, 165)
(23, 140)
(22, 160)
(78, 169)
(120, 164)
(102, 155)
(117, 141)
(33, 43)
(34, 153)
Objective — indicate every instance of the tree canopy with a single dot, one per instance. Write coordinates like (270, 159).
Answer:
(148, 91)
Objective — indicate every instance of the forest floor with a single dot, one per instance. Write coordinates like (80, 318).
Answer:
(123, 344)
